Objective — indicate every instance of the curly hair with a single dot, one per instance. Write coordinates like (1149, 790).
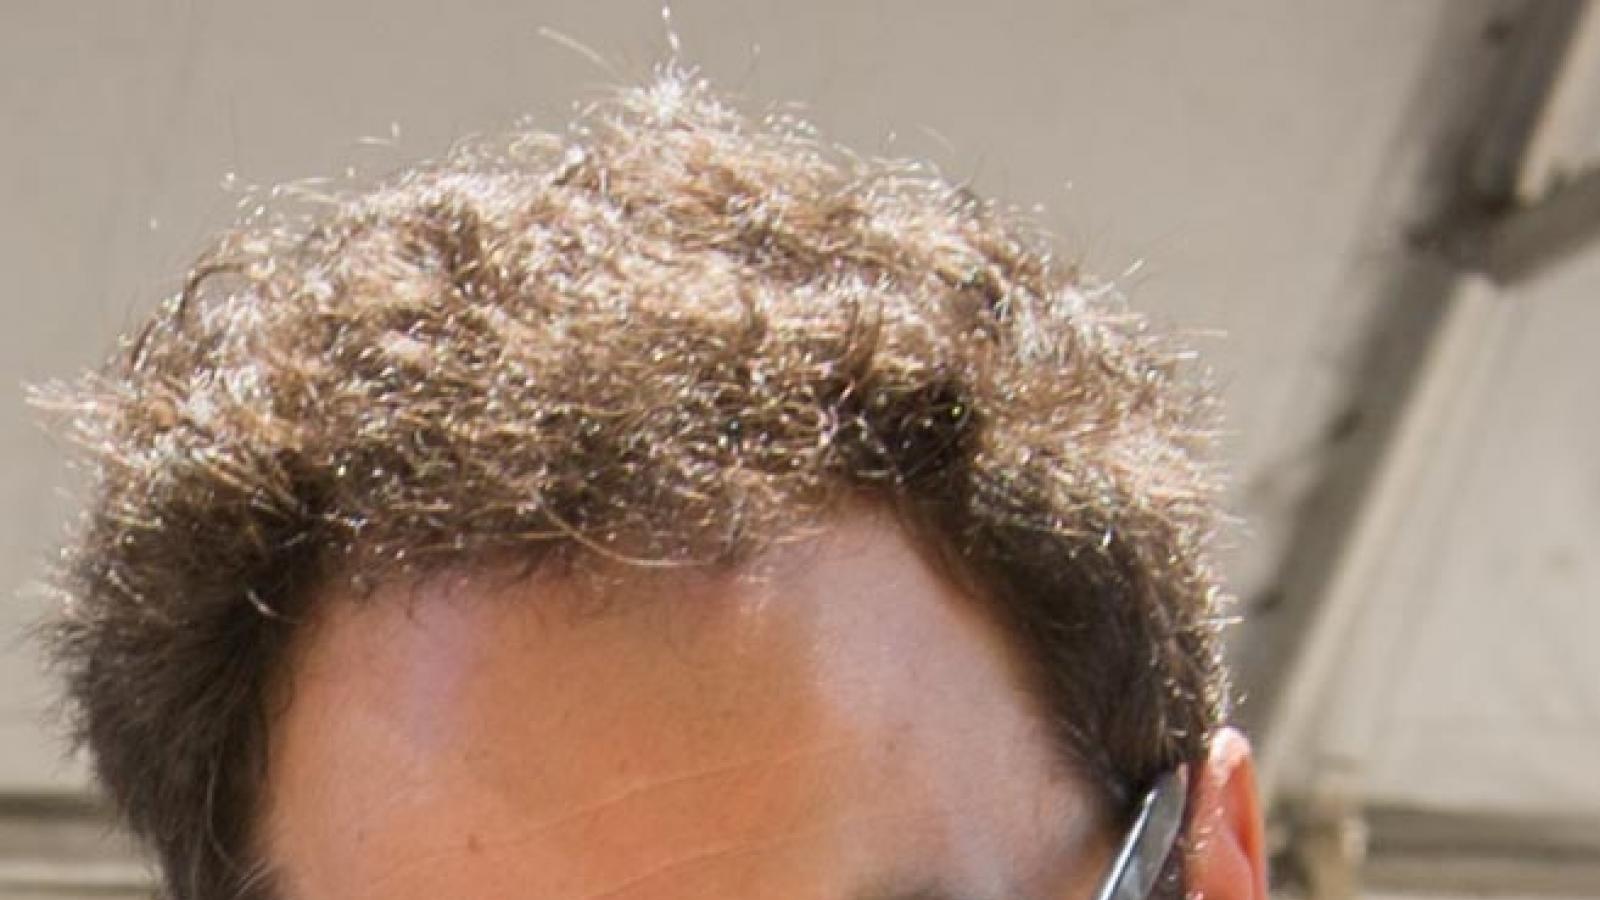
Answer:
(671, 335)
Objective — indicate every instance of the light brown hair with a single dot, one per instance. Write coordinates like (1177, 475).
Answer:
(672, 334)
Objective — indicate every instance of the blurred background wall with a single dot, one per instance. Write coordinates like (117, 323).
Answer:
(1374, 218)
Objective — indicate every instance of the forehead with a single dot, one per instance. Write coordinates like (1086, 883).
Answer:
(830, 724)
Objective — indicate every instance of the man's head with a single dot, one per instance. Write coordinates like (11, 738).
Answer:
(672, 508)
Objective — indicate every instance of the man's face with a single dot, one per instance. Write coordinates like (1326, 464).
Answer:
(835, 723)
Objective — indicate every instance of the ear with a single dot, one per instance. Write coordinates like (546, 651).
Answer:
(1226, 858)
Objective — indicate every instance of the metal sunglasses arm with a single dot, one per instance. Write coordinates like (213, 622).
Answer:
(1144, 851)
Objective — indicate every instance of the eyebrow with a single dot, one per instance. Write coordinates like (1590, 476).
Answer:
(269, 887)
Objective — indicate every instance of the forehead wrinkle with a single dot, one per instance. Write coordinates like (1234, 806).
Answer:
(649, 786)
(590, 810)
(745, 847)
(646, 787)
(728, 850)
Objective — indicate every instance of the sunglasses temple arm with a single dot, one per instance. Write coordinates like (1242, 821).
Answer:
(1143, 853)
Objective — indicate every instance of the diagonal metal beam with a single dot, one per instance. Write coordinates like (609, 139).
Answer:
(1455, 315)
(1537, 114)
(1520, 244)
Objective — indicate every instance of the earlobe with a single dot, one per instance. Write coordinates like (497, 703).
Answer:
(1226, 857)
